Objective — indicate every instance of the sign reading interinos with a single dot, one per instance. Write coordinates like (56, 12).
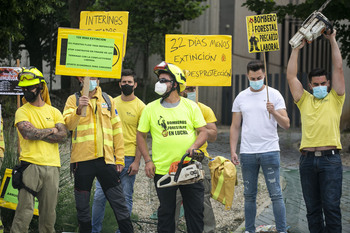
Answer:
(107, 21)
(207, 58)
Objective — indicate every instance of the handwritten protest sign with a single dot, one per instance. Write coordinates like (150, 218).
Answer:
(9, 81)
(108, 21)
(8, 194)
(206, 57)
(89, 53)
(262, 33)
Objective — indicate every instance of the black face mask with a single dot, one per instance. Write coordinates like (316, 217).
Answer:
(31, 96)
(127, 89)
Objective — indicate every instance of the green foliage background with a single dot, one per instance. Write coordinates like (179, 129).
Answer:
(337, 11)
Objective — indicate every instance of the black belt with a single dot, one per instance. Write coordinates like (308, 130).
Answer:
(320, 153)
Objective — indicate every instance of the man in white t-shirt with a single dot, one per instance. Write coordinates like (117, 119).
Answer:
(259, 142)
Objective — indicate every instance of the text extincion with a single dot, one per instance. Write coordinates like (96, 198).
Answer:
(206, 59)
(262, 33)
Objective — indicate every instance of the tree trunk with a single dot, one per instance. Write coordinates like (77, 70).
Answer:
(33, 44)
(74, 7)
(145, 72)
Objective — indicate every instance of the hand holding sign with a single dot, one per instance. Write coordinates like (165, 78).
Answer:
(84, 99)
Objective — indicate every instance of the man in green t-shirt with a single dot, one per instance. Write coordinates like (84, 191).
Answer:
(210, 119)
(173, 122)
(320, 163)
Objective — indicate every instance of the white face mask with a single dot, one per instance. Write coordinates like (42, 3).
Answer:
(191, 96)
(160, 88)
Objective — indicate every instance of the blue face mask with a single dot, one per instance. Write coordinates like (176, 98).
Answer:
(93, 85)
(256, 85)
(191, 96)
(320, 91)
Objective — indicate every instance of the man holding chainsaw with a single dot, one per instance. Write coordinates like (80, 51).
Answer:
(320, 162)
(210, 119)
(174, 122)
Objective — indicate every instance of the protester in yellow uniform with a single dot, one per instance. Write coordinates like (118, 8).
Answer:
(97, 151)
(173, 122)
(209, 117)
(129, 109)
(40, 128)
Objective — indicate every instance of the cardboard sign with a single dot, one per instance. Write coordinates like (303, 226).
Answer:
(89, 53)
(9, 195)
(262, 33)
(107, 21)
(207, 58)
(9, 81)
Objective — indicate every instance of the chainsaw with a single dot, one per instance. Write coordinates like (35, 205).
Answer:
(184, 172)
(312, 27)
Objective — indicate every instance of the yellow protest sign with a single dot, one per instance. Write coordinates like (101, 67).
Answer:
(207, 58)
(8, 194)
(108, 21)
(89, 53)
(262, 33)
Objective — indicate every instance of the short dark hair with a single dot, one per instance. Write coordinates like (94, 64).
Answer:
(316, 73)
(255, 65)
(129, 72)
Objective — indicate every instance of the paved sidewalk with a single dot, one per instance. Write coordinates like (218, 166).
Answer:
(295, 205)
(292, 194)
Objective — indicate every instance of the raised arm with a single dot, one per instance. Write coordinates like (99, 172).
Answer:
(338, 83)
(234, 134)
(295, 86)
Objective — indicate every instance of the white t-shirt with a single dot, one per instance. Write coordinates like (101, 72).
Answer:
(259, 132)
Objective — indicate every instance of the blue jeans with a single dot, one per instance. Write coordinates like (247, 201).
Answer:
(321, 182)
(99, 203)
(270, 164)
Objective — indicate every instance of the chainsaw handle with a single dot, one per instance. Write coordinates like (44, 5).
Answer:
(179, 167)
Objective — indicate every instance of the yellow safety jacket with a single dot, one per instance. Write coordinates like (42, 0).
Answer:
(84, 137)
(223, 180)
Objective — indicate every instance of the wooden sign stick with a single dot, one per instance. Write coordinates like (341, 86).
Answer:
(267, 83)
(86, 87)
(18, 106)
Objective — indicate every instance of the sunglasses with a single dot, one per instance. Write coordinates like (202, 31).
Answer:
(163, 80)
